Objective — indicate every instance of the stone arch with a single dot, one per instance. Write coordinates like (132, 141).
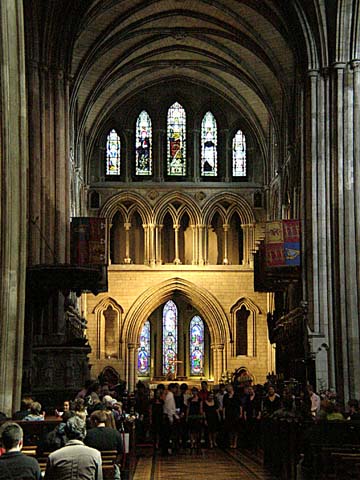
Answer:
(104, 305)
(251, 325)
(245, 211)
(207, 305)
(136, 201)
(185, 201)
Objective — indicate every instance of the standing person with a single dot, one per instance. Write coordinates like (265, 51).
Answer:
(156, 417)
(182, 406)
(75, 461)
(232, 415)
(315, 401)
(194, 417)
(170, 415)
(211, 419)
(14, 465)
(271, 402)
(252, 415)
(204, 392)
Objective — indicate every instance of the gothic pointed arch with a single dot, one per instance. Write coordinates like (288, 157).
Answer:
(177, 202)
(207, 305)
(225, 200)
(108, 314)
(127, 201)
(244, 315)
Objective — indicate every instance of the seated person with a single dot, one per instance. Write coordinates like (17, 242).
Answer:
(75, 456)
(102, 437)
(35, 414)
(26, 403)
(14, 464)
(57, 438)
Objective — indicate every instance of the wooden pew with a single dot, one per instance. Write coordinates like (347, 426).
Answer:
(346, 465)
(109, 458)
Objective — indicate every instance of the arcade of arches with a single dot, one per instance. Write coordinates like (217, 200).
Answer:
(184, 126)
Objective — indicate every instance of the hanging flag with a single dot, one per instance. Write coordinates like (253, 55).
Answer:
(282, 243)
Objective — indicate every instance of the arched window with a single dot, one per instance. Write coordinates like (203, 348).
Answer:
(113, 153)
(196, 346)
(144, 350)
(169, 337)
(209, 146)
(143, 144)
(239, 155)
(176, 140)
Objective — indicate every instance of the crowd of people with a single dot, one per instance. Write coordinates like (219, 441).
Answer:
(175, 419)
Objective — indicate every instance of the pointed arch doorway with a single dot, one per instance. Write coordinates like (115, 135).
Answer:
(191, 301)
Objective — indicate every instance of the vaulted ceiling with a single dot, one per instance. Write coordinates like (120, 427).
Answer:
(249, 52)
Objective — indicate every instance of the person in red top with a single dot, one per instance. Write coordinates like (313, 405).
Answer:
(204, 392)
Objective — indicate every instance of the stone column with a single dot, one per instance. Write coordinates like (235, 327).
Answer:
(151, 244)
(131, 374)
(129, 157)
(109, 242)
(177, 260)
(158, 244)
(196, 155)
(146, 244)
(226, 172)
(201, 243)
(13, 192)
(195, 254)
(218, 360)
(127, 259)
(160, 162)
(226, 230)
(206, 244)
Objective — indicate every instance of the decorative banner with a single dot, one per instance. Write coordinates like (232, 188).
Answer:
(282, 243)
(88, 241)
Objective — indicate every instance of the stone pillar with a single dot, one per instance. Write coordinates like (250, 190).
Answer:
(160, 162)
(177, 260)
(131, 373)
(206, 244)
(226, 230)
(218, 360)
(226, 172)
(151, 244)
(127, 259)
(109, 242)
(201, 243)
(195, 250)
(146, 244)
(196, 155)
(13, 191)
(158, 244)
(130, 148)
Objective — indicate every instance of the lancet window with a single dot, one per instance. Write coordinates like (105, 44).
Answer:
(196, 346)
(144, 354)
(176, 140)
(169, 337)
(239, 155)
(113, 153)
(209, 146)
(143, 144)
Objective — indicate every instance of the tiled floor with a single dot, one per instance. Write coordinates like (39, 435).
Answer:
(209, 464)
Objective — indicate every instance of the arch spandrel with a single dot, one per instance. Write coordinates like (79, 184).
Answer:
(187, 203)
(208, 306)
(248, 303)
(139, 204)
(242, 206)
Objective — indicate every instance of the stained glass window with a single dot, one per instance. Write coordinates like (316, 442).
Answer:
(176, 144)
(209, 146)
(143, 144)
(170, 316)
(196, 346)
(239, 154)
(113, 153)
(144, 350)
